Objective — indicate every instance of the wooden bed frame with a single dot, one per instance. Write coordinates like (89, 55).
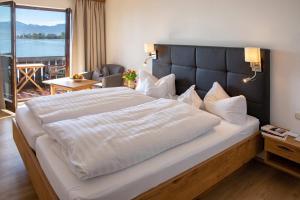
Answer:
(187, 185)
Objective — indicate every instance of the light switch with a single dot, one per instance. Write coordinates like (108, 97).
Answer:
(297, 115)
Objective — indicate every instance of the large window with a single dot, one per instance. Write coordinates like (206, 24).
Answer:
(40, 33)
(34, 46)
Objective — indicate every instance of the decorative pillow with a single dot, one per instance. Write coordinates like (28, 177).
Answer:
(232, 109)
(169, 80)
(215, 93)
(105, 71)
(191, 97)
(143, 75)
(155, 90)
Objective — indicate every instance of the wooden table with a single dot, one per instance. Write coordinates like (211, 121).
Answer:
(28, 70)
(69, 84)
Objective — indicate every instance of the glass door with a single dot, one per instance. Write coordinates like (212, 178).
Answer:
(8, 55)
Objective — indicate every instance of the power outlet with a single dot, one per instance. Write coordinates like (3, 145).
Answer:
(297, 115)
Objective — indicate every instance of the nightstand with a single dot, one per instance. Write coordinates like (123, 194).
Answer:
(283, 155)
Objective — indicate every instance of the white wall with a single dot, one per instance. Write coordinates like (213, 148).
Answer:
(62, 4)
(272, 24)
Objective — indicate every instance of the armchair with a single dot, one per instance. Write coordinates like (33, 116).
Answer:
(110, 75)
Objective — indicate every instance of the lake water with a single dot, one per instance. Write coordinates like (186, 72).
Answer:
(35, 48)
(40, 48)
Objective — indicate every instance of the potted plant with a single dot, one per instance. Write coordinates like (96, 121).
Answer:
(130, 77)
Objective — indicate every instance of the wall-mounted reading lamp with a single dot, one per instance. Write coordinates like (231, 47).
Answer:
(252, 55)
(151, 53)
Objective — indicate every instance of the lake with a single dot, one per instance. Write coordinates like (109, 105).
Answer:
(40, 48)
(35, 48)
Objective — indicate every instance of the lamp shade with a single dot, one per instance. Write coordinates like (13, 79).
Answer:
(252, 54)
(149, 48)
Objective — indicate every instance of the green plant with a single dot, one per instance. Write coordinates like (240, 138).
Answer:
(130, 75)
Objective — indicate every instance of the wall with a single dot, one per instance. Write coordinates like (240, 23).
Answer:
(46, 3)
(272, 24)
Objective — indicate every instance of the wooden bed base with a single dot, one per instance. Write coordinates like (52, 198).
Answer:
(187, 185)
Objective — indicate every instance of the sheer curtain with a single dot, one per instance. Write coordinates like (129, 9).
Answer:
(88, 48)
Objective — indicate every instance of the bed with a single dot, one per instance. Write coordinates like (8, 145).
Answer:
(195, 168)
(87, 102)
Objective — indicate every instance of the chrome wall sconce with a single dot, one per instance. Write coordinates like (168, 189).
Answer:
(252, 55)
(151, 53)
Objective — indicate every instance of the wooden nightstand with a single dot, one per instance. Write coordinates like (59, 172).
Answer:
(283, 155)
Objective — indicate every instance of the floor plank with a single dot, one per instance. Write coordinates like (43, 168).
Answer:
(255, 181)
(14, 181)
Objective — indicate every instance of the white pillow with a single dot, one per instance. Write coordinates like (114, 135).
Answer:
(216, 93)
(232, 109)
(191, 97)
(142, 76)
(169, 80)
(155, 90)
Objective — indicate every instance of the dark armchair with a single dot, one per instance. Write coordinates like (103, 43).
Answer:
(110, 75)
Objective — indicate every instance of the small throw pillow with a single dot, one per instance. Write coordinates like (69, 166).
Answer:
(105, 71)
(232, 109)
(170, 80)
(147, 78)
(141, 83)
(155, 90)
(191, 97)
(215, 93)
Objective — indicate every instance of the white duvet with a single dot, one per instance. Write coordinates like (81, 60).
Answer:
(49, 109)
(105, 143)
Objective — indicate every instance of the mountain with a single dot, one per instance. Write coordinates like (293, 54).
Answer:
(22, 28)
(30, 28)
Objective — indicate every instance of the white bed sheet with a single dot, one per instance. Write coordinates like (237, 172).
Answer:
(129, 183)
(30, 127)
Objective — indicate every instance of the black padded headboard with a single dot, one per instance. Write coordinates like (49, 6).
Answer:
(202, 65)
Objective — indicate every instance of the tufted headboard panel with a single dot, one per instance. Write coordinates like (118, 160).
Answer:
(202, 66)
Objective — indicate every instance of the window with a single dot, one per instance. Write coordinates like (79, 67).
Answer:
(42, 36)
(40, 33)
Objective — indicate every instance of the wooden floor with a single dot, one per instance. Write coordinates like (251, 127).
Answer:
(255, 181)
(14, 182)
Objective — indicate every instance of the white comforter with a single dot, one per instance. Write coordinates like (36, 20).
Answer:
(105, 143)
(49, 109)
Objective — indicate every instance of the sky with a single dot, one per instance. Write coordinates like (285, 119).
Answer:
(37, 17)
(4, 14)
(40, 17)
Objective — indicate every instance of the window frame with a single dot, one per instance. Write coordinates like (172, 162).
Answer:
(68, 13)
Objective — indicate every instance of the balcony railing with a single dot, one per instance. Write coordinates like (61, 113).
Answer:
(55, 67)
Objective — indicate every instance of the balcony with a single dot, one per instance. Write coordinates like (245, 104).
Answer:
(55, 67)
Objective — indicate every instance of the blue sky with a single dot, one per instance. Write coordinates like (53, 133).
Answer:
(4, 14)
(40, 17)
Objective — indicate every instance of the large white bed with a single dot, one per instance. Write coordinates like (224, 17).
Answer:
(128, 183)
(101, 101)
(29, 125)
(183, 169)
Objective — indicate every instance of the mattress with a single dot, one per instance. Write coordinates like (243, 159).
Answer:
(30, 127)
(130, 182)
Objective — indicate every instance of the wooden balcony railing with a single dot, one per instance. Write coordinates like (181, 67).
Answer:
(55, 67)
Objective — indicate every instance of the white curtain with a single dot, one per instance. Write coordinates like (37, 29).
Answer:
(88, 45)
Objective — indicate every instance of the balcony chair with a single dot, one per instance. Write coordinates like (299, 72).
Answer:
(110, 75)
